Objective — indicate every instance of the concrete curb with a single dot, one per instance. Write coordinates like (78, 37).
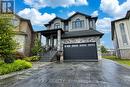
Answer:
(23, 71)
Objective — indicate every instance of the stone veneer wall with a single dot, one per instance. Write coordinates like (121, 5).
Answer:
(24, 40)
(20, 39)
(28, 40)
(83, 40)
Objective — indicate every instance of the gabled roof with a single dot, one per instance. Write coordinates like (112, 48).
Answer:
(79, 14)
(84, 33)
(126, 17)
(21, 18)
(54, 20)
(57, 18)
(87, 16)
(128, 14)
(113, 23)
(27, 20)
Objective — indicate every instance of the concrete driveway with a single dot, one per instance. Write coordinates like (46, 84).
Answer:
(104, 73)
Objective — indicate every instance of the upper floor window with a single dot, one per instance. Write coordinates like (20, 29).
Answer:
(78, 24)
(123, 34)
(56, 25)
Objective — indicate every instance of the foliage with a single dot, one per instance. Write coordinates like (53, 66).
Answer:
(15, 66)
(103, 49)
(7, 44)
(32, 59)
(1, 63)
(37, 47)
(121, 61)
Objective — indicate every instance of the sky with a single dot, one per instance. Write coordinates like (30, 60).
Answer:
(42, 11)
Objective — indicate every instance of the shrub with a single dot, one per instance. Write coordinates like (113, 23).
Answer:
(31, 59)
(37, 47)
(1, 62)
(15, 66)
(7, 44)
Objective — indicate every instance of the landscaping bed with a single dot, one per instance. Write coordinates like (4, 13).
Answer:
(15, 66)
(121, 61)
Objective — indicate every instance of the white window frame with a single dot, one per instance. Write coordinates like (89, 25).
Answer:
(123, 34)
(77, 24)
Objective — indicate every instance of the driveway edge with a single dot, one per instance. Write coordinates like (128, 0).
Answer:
(117, 63)
(25, 70)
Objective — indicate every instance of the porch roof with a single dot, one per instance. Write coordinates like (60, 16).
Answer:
(53, 32)
(72, 34)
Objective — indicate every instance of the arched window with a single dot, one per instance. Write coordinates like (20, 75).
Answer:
(56, 25)
(123, 33)
(78, 23)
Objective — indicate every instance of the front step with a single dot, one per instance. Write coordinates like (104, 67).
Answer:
(49, 56)
(45, 59)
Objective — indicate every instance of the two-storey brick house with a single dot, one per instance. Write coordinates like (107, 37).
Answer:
(76, 37)
(24, 35)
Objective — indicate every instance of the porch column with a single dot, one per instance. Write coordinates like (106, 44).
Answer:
(51, 40)
(47, 41)
(59, 40)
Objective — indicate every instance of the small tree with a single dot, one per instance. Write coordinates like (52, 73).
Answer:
(7, 44)
(37, 47)
(103, 49)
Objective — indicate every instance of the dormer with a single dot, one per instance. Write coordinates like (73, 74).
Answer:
(55, 23)
(80, 21)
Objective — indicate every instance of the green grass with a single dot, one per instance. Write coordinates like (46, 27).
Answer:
(121, 61)
(15, 66)
(32, 58)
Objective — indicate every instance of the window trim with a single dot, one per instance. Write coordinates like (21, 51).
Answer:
(123, 34)
(77, 24)
(57, 26)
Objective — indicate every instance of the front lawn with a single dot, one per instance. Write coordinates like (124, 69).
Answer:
(15, 66)
(121, 61)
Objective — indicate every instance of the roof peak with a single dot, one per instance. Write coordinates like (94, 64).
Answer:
(128, 14)
(76, 13)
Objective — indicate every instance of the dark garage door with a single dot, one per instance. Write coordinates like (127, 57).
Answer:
(80, 51)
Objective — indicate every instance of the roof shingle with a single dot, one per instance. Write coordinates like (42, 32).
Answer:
(83, 33)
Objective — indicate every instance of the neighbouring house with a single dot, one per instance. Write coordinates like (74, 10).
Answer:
(110, 52)
(76, 37)
(120, 30)
(24, 35)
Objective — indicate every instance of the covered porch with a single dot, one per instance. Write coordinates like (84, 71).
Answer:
(53, 38)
